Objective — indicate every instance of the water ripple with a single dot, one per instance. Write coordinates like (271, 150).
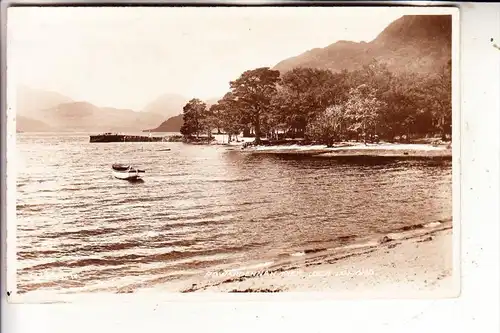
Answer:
(200, 207)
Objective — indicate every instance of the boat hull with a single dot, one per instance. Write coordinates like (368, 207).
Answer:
(127, 175)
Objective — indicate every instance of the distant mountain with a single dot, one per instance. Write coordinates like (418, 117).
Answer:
(41, 111)
(29, 101)
(172, 124)
(25, 124)
(174, 103)
(414, 43)
(84, 116)
(167, 105)
(170, 105)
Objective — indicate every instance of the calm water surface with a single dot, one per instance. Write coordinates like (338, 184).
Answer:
(199, 208)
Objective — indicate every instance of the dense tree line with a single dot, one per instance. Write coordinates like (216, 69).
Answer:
(323, 106)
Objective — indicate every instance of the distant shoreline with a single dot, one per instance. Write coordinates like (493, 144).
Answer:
(342, 149)
(356, 149)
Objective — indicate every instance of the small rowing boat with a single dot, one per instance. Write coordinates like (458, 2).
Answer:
(126, 172)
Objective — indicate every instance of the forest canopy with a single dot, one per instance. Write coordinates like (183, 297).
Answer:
(322, 106)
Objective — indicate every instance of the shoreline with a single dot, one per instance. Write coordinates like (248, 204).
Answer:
(411, 263)
(358, 149)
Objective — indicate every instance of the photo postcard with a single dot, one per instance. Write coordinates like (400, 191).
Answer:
(222, 150)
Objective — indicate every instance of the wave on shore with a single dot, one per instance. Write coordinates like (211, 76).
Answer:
(313, 256)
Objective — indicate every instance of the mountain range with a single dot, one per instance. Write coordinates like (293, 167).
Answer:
(413, 43)
(172, 124)
(47, 111)
(42, 111)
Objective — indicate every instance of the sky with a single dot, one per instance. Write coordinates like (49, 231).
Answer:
(127, 57)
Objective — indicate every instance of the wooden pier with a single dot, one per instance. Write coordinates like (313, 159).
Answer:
(108, 137)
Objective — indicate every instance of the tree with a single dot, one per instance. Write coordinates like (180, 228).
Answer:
(375, 75)
(208, 122)
(230, 115)
(194, 117)
(419, 104)
(363, 110)
(323, 105)
(328, 126)
(441, 100)
(305, 93)
(252, 93)
(407, 107)
(279, 118)
(215, 113)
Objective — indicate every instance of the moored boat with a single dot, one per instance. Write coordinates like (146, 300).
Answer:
(126, 172)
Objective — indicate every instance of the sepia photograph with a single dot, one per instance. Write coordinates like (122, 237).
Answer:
(232, 150)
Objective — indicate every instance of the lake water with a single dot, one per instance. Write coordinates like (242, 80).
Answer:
(200, 208)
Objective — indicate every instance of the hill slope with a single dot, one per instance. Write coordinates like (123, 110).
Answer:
(86, 117)
(416, 43)
(25, 124)
(30, 101)
(172, 124)
(42, 111)
(167, 105)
